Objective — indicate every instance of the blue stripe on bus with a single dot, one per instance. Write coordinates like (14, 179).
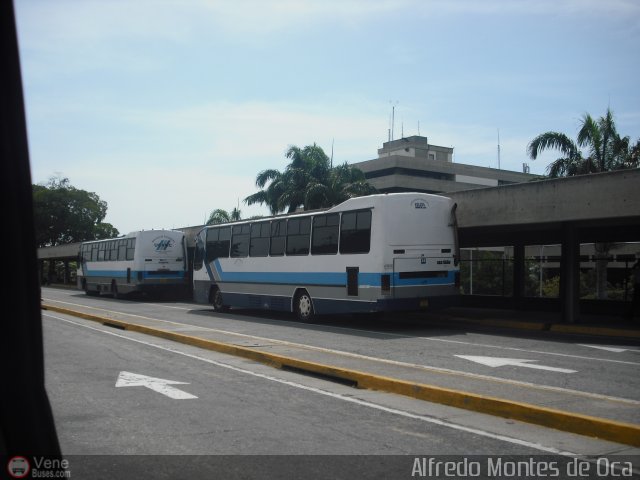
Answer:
(134, 273)
(321, 278)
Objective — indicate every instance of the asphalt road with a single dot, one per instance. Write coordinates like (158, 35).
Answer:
(229, 406)
(589, 364)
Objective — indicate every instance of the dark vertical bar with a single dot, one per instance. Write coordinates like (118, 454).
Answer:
(352, 281)
(570, 274)
(518, 275)
(26, 420)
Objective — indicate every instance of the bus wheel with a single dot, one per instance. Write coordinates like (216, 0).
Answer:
(85, 287)
(303, 306)
(217, 302)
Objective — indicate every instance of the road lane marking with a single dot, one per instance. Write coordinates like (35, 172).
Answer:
(612, 349)
(160, 385)
(389, 361)
(516, 362)
(349, 399)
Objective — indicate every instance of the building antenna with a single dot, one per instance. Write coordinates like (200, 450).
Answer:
(393, 117)
(498, 149)
(332, 140)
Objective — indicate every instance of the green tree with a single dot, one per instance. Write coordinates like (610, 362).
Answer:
(220, 215)
(308, 181)
(606, 149)
(633, 158)
(65, 214)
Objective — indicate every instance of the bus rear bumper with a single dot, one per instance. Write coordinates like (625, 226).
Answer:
(412, 304)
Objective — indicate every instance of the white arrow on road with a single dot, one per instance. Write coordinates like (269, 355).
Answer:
(612, 349)
(160, 385)
(518, 362)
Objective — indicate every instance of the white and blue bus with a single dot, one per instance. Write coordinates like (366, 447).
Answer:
(384, 252)
(144, 261)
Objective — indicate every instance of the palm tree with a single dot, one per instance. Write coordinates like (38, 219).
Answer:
(606, 149)
(220, 215)
(269, 195)
(309, 169)
(308, 181)
(235, 214)
(345, 181)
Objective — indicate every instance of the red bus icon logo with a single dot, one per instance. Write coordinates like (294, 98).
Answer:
(18, 467)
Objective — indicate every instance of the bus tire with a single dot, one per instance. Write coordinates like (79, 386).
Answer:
(303, 306)
(217, 301)
(85, 287)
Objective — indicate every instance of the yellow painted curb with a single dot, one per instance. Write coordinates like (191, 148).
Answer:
(605, 429)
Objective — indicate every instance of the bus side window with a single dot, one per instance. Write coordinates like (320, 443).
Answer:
(240, 240)
(324, 240)
(355, 232)
(298, 236)
(278, 238)
(259, 245)
(131, 248)
(218, 242)
(122, 250)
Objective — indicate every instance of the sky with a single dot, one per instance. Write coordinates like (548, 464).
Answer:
(168, 109)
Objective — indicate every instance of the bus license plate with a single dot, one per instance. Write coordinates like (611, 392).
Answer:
(424, 303)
